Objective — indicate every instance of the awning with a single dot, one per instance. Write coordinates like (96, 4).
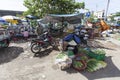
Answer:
(70, 18)
(66, 15)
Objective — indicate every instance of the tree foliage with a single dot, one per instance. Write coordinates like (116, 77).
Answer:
(115, 15)
(42, 7)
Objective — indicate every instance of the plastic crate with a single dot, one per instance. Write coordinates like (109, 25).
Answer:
(96, 56)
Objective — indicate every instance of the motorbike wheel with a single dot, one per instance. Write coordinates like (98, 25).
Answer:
(53, 43)
(35, 48)
(6, 42)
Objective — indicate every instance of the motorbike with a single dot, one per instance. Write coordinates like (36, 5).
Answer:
(4, 38)
(44, 42)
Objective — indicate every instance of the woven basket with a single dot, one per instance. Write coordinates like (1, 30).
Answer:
(82, 61)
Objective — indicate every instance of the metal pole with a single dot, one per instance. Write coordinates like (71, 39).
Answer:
(107, 9)
(96, 7)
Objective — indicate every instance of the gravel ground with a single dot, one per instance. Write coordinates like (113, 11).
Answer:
(17, 62)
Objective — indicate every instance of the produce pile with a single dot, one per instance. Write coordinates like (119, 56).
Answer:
(77, 64)
(98, 54)
(84, 60)
(94, 65)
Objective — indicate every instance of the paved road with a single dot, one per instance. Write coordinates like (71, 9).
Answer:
(17, 63)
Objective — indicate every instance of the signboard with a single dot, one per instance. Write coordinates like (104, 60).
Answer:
(88, 14)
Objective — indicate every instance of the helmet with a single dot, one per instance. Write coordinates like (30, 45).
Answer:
(77, 30)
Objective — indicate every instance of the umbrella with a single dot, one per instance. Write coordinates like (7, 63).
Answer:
(48, 19)
(63, 18)
(12, 19)
(31, 17)
(2, 20)
(70, 18)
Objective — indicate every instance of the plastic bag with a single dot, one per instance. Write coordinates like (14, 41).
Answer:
(63, 61)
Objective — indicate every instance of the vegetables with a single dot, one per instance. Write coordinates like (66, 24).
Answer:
(84, 58)
(93, 65)
(61, 55)
(82, 50)
(98, 54)
(98, 51)
(77, 64)
(81, 61)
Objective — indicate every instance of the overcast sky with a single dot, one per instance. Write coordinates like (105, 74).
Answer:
(95, 5)
(12, 5)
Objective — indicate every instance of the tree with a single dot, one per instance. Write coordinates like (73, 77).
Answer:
(115, 15)
(42, 7)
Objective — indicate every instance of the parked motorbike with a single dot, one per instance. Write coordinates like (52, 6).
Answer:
(4, 38)
(44, 42)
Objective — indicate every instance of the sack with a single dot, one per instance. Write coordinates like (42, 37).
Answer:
(63, 61)
(104, 25)
(65, 64)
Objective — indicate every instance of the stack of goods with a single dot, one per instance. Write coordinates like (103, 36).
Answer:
(94, 65)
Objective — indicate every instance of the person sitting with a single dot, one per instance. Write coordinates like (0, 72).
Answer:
(39, 30)
(26, 34)
(72, 40)
(83, 36)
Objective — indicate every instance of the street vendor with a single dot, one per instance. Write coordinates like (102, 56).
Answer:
(83, 36)
(72, 40)
(79, 36)
(39, 30)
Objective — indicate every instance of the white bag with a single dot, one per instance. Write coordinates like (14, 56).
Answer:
(64, 62)
(72, 42)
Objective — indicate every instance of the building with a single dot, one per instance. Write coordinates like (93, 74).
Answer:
(10, 12)
(99, 14)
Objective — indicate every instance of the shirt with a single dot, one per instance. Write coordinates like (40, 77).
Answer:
(25, 33)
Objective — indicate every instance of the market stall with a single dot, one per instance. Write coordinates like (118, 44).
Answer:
(80, 57)
(58, 22)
